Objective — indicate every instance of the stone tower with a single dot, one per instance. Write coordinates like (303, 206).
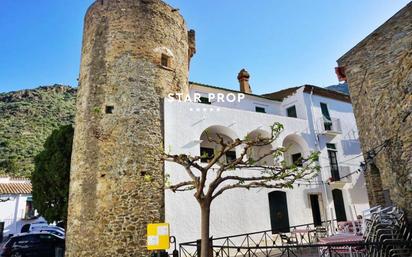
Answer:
(134, 53)
(379, 73)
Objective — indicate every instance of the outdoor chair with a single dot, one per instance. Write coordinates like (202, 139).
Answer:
(289, 242)
(320, 232)
(387, 229)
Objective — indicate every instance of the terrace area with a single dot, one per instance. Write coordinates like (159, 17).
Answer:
(383, 232)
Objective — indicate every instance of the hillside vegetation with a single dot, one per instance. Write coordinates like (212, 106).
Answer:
(27, 118)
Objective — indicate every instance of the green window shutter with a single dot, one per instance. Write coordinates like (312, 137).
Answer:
(325, 111)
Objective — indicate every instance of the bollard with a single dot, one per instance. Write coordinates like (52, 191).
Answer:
(175, 253)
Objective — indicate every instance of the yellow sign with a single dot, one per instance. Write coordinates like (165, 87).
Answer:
(158, 236)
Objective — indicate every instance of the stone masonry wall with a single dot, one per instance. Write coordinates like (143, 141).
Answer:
(379, 73)
(117, 176)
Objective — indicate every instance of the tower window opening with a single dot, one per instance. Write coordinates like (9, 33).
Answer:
(109, 109)
(165, 60)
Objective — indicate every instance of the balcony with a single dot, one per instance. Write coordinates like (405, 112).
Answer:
(334, 174)
(330, 127)
(339, 176)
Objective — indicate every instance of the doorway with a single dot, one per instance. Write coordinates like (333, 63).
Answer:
(279, 217)
(339, 205)
(316, 214)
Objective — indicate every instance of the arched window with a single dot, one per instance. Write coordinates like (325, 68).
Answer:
(295, 150)
(260, 153)
(209, 145)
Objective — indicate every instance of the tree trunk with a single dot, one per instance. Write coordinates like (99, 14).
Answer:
(204, 230)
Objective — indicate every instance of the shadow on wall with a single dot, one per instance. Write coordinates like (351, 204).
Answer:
(351, 147)
(342, 108)
(358, 191)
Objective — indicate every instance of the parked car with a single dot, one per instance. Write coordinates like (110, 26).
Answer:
(50, 229)
(35, 244)
(31, 226)
(43, 227)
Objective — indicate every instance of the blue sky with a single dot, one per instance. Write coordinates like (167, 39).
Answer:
(281, 43)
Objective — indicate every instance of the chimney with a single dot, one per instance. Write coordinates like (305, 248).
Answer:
(340, 72)
(243, 78)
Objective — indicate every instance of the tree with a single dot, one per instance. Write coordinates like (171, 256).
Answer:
(214, 178)
(51, 177)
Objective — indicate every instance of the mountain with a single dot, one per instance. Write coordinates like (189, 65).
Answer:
(27, 118)
(343, 88)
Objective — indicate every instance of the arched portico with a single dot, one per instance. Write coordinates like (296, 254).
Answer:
(209, 145)
(257, 152)
(296, 148)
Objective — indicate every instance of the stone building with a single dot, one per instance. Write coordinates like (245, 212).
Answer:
(134, 53)
(379, 74)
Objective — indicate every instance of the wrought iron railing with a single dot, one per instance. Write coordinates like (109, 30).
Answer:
(370, 249)
(262, 241)
(302, 241)
(332, 126)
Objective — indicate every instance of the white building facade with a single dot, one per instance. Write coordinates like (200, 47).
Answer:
(16, 207)
(314, 119)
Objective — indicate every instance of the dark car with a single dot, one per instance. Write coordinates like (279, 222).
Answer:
(33, 245)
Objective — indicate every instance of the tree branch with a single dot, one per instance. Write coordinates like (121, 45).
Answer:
(187, 162)
(255, 184)
(183, 186)
(277, 175)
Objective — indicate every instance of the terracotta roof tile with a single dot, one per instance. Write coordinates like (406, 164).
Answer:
(15, 188)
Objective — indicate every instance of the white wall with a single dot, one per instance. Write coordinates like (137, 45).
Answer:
(241, 211)
(237, 211)
(297, 100)
(348, 151)
(12, 212)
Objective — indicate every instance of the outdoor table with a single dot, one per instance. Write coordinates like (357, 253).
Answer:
(342, 238)
(347, 226)
(302, 232)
